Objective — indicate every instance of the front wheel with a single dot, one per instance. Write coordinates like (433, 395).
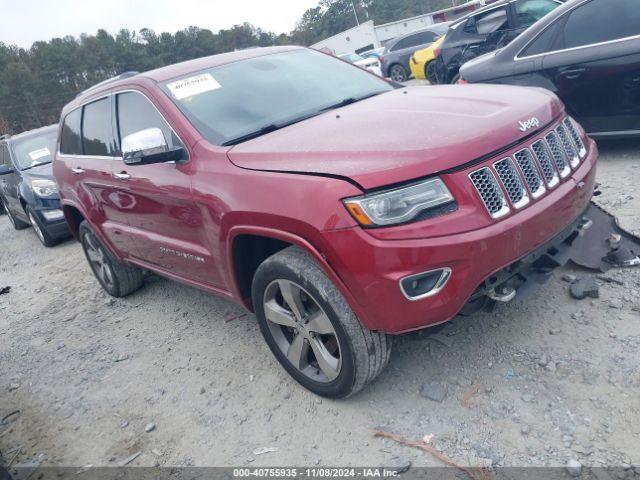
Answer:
(398, 73)
(118, 279)
(45, 238)
(310, 328)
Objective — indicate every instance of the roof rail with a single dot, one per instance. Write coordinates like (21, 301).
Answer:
(108, 81)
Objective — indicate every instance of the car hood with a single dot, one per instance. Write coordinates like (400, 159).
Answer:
(403, 134)
(39, 171)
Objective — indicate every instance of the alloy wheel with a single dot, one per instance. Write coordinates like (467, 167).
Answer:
(302, 330)
(36, 227)
(98, 260)
(398, 74)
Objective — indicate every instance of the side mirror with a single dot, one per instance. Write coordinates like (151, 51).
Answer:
(149, 146)
(4, 170)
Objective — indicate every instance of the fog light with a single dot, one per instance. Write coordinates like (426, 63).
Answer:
(52, 214)
(423, 285)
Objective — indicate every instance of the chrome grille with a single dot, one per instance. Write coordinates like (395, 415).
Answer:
(575, 136)
(508, 175)
(569, 148)
(490, 192)
(530, 172)
(543, 156)
(558, 154)
(515, 181)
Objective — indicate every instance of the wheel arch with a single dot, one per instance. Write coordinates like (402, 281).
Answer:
(74, 217)
(278, 239)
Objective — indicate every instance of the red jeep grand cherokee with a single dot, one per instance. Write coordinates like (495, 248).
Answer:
(336, 206)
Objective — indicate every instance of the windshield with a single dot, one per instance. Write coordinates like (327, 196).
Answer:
(35, 149)
(351, 57)
(233, 102)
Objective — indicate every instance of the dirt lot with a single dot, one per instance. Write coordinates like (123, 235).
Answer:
(557, 378)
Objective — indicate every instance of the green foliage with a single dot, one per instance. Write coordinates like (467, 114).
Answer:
(36, 83)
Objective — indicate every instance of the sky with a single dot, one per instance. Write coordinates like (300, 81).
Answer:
(26, 21)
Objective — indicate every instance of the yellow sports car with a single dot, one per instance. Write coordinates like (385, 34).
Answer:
(421, 58)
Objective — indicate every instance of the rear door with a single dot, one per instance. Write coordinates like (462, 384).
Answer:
(594, 65)
(163, 221)
(87, 149)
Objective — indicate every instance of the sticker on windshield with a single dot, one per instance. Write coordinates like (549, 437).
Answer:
(189, 87)
(36, 154)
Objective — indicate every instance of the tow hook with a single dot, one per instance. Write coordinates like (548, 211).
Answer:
(502, 294)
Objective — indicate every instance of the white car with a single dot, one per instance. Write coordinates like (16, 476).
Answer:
(371, 64)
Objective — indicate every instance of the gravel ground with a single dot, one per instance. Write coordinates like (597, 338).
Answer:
(557, 379)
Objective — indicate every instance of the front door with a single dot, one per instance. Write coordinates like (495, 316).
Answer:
(163, 221)
(595, 67)
(9, 182)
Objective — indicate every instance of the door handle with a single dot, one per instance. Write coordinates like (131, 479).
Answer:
(122, 176)
(77, 170)
(572, 73)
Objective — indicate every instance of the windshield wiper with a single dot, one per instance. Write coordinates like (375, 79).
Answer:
(349, 101)
(272, 127)
(35, 165)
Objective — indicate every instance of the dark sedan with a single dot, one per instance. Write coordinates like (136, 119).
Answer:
(486, 30)
(588, 53)
(397, 54)
(28, 192)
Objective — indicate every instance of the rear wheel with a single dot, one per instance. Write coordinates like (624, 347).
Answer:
(15, 222)
(310, 328)
(118, 279)
(41, 232)
(398, 73)
(430, 72)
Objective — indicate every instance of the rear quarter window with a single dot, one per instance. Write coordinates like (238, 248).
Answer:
(70, 136)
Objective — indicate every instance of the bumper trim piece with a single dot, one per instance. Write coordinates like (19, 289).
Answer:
(445, 275)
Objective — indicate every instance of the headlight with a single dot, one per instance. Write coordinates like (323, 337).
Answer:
(399, 205)
(44, 188)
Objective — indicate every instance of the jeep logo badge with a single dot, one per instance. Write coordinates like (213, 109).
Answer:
(529, 124)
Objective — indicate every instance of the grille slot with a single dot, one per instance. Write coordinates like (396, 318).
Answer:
(575, 136)
(490, 192)
(543, 155)
(530, 172)
(557, 152)
(508, 175)
(569, 148)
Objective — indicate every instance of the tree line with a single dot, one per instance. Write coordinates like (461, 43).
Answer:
(36, 83)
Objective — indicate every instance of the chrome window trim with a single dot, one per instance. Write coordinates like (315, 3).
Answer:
(131, 90)
(109, 95)
(437, 288)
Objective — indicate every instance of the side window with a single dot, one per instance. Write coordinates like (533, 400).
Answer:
(530, 11)
(70, 137)
(400, 45)
(545, 41)
(97, 138)
(419, 39)
(597, 21)
(488, 22)
(136, 113)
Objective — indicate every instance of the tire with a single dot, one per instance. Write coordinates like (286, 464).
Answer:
(397, 73)
(15, 222)
(352, 355)
(117, 279)
(430, 72)
(455, 79)
(41, 232)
